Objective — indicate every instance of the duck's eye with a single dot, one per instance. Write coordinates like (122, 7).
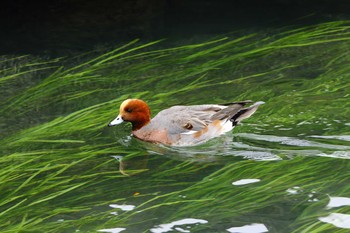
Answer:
(129, 110)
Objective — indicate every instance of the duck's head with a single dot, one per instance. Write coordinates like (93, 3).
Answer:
(135, 111)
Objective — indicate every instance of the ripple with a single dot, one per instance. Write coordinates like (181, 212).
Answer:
(210, 151)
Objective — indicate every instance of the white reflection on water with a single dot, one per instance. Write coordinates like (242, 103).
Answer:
(338, 220)
(291, 141)
(170, 226)
(339, 137)
(337, 202)
(337, 154)
(113, 230)
(313, 148)
(252, 228)
(245, 181)
(294, 190)
(122, 207)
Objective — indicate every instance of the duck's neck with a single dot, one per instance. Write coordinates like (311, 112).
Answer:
(136, 125)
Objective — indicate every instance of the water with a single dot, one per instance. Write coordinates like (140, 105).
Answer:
(285, 169)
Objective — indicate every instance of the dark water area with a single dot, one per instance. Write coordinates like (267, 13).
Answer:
(58, 28)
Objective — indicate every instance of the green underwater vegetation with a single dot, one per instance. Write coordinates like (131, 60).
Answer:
(63, 170)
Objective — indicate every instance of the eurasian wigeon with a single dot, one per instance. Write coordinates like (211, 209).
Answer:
(182, 125)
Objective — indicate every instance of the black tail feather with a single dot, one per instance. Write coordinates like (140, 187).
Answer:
(245, 113)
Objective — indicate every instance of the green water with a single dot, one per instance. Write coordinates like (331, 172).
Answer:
(285, 169)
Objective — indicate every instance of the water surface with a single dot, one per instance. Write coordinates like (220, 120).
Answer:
(285, 169)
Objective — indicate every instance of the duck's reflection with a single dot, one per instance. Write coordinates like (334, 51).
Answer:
(131, 165)
(138, 162)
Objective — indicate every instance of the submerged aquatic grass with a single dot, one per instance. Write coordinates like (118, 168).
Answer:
(63, 170)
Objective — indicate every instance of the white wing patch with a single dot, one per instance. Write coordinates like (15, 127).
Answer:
(189, 132)
(226, 126)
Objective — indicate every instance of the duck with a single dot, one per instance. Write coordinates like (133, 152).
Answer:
(183, 125)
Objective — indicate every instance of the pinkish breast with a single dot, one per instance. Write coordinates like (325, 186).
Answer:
(157, 136)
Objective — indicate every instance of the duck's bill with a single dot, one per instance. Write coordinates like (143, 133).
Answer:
(116, 121)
